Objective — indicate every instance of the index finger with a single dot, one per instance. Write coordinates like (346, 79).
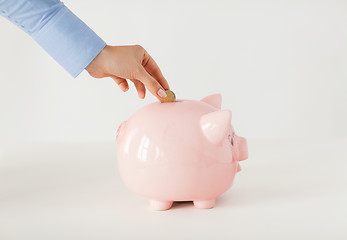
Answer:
(152, 68)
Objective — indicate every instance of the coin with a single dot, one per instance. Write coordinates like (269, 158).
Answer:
(170, 97)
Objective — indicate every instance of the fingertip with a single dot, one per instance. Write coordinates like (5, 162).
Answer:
(141, 96)
(161, 93)
(124, 86)
(124, 89)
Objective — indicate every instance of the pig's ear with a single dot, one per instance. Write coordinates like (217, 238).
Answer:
(214, 125)
(214, 100)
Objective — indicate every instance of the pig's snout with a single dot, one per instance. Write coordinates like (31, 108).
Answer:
(242, 148)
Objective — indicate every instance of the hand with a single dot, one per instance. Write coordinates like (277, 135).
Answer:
(133, 63)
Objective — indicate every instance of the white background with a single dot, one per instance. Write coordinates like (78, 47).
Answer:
(280, 66)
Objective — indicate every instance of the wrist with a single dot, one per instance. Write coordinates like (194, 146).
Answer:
(96, 67)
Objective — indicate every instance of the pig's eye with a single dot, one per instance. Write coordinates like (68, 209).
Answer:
(231, 139)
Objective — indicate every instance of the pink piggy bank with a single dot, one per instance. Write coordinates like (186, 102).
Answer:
(180, 151)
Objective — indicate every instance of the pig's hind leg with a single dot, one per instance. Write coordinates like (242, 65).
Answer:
(160, 205)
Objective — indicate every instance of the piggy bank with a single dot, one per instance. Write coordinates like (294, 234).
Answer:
(180, 151)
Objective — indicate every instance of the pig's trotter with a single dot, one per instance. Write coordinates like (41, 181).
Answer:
(160, 205)
(205, 204)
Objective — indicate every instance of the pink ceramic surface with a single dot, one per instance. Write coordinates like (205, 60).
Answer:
(181, 151)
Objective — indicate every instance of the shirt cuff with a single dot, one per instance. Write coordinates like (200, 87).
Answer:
(69, 41)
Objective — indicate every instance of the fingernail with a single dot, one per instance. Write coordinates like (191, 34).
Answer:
(161, 93)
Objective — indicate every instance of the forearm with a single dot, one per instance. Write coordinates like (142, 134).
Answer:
(52, 25)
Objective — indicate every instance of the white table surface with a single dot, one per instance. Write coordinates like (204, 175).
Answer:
(286, 190)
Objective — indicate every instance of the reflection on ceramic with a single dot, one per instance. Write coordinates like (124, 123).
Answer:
(180, 151)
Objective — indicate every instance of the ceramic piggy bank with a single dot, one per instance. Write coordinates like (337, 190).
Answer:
(180, 151)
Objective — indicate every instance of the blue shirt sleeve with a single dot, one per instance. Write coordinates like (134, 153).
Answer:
(61, 33)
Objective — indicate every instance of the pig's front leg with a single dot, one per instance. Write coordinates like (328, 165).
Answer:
(205, 203)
